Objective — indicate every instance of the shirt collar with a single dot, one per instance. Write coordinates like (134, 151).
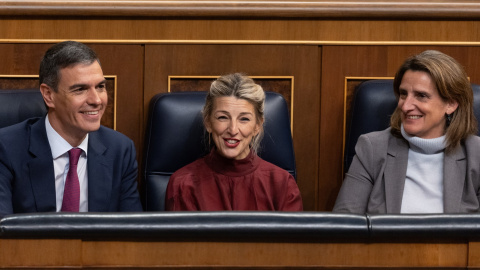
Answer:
(58, 144)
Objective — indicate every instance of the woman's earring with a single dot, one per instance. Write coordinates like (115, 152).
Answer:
(449, 118)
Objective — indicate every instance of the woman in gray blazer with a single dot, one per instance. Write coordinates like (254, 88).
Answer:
(428, 161)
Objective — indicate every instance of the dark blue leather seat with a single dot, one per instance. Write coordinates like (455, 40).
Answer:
(176, 136)
(373, 104)
(21, 104)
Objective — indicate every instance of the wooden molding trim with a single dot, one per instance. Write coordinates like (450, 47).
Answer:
(374, 9)
(247, 42)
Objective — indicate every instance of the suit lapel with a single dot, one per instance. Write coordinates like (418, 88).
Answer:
(395, 173)
(41, 172)
(454, 171)
(99, 178)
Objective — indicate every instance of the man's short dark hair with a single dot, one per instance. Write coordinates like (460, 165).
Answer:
(62, 55)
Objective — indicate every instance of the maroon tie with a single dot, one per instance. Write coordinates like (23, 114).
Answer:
(71, 192)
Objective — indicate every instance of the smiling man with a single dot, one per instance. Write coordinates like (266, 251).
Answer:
(67, 161)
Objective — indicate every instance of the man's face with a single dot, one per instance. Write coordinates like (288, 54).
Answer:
(77, 107)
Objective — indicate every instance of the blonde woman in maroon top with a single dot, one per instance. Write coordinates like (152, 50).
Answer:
(233, 176)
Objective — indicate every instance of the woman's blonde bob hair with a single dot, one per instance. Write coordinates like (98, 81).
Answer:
(242, 87)
(452, 84)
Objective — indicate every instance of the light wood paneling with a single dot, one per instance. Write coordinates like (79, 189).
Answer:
(399, 9)
(74, 253)
(247, 255)
(474, 255)
(40, 253)
(314, 31)
(301, 62)
(126, 62)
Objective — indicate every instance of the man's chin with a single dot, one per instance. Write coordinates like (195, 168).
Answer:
(92, 127)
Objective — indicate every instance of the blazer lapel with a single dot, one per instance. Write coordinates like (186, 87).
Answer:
(395, 173)
(42, 176)
(454, 170)
(99, 178)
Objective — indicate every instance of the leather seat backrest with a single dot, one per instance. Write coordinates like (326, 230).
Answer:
(19, 105)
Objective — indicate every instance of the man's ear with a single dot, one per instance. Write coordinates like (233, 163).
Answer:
(48, 95)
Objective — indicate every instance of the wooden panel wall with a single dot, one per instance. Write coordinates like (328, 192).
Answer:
(319, 43)
(98, 254)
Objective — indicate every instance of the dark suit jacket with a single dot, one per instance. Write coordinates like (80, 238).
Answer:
(376, 179)
(27, 175)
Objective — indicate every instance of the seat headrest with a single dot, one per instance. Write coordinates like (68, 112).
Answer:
(19, 105)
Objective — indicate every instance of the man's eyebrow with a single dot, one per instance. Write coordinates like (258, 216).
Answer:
(82, 85)
(102, 82)
(78, 85)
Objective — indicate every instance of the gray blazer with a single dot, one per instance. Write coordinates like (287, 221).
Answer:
(375, 181)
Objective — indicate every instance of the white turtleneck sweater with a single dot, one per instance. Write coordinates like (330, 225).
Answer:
(423, 192)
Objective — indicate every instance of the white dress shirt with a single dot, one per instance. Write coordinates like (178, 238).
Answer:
(60, 148)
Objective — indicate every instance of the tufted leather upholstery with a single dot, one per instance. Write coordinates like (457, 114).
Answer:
(175, 137)
(372, 106)
(19, 105)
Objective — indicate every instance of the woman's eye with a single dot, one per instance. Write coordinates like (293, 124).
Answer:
(422, 95)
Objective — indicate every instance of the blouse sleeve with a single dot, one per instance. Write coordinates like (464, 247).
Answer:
(293, 199)
(178, 198)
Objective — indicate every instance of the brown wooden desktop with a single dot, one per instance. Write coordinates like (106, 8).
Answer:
(239, 240)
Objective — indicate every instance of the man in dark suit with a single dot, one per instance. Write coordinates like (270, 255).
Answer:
(37, 154)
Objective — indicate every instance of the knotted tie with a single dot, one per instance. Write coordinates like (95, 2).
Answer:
(71, 192)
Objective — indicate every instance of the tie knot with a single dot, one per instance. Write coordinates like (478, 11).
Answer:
(73, 155)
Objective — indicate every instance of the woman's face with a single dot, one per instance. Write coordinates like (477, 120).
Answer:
(422, 109)
(233, 125)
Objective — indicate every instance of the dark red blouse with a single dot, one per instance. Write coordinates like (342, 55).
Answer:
(215, 183)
